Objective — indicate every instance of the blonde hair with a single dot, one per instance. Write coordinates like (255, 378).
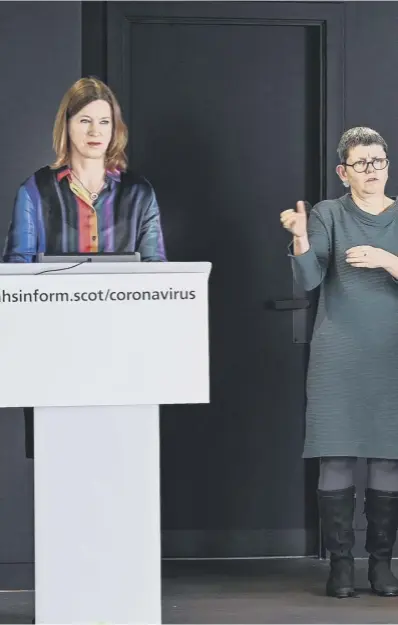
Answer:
(83, 92)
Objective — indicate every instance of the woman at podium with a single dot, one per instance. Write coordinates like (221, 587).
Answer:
(87, 201)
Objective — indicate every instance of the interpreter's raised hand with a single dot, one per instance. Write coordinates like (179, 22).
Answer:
(295, 221)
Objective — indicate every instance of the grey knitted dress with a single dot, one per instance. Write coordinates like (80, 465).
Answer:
(352, 384)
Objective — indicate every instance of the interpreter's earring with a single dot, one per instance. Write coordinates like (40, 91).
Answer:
(346, 184)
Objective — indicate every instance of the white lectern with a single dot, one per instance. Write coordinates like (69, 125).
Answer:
(95, 349)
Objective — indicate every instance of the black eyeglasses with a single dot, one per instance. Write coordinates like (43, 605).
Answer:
(362, 166)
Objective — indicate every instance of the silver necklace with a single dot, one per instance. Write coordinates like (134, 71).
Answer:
(93, 196)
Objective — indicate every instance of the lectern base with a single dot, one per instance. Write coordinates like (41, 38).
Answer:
(97, 515)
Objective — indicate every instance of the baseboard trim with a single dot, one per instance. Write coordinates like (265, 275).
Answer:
(17, 576)
(239, 543)
(199, 544)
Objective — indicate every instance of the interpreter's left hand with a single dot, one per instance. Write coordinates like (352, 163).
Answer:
(368, 257)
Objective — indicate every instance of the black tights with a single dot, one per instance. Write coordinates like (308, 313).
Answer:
(337, 473)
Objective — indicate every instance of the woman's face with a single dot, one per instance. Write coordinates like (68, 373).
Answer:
(366, 178)
(90, 130)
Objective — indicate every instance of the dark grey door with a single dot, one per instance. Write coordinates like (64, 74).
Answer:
(226, 106)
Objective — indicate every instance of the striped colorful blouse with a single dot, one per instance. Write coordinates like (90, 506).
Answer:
(53, 215)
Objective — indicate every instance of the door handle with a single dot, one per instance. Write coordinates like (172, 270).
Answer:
(289, 304)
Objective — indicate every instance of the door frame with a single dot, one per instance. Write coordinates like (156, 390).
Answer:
(106, 32)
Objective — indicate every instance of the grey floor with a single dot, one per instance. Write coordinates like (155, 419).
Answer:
(266, 591)
(245, 591)
(16, 607)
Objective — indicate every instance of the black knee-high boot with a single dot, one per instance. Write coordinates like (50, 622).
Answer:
(381, 510)
(336, 509)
